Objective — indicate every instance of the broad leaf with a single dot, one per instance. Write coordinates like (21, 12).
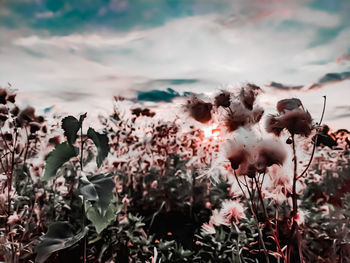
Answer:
(100, 222)
(98, 188)
(71, 126)
(61, 154)
(101, 142)
(59, 236)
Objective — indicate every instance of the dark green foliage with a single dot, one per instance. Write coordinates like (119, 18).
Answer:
(71, 126)
(60, 235)
(62, 153)
(99, 189)
(101, 142)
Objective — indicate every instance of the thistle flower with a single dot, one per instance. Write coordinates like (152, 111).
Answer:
(237, 117)
(269, 153)
(223, 99)
(273, 125)
(26, 115)
(248, 95)
(208, 228)
(199, 110)
(292, 117)
(3, 94)
(288, 105)
(297, 122)
(238, 155)
(257, 114)
(233, 211)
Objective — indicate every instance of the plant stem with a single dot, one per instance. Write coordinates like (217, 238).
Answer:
(267, 218)
(251, 205)
(316, 137)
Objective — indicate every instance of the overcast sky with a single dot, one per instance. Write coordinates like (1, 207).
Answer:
(77, 54)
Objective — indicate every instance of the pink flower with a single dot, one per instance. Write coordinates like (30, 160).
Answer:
(208, 228)
(13, 219)
(233, 211)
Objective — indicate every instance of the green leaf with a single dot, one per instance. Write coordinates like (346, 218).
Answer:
(100, 222)
(61, 154)
(71, 126)
(98, 188)
(101, 142)
(60, 235)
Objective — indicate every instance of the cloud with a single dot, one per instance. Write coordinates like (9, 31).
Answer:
(199, 46)
(281, 86)
(158, 95)
(330, 78)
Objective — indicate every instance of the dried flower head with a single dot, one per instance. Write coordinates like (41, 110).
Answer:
(273, 125)
(237, 155)
(297, 122)
(291, 117)
(237, 117)
(268, 153)
(3, 94)
(223, 99)
(26, 115)
(288, 105)
(199, 109)
(248, 95)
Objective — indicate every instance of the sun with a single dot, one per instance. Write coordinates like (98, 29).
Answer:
(211, 131)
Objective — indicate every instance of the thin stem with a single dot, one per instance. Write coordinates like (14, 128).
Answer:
(251, 205)
(315, 142)
(81, 167)
(268, 219)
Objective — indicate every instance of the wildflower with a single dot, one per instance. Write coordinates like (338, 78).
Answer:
(208, 228)
(11, 98)
(3, 94)
(13, 219)
(238, 156)
(269, 153)
(14, 111)
(223, 99)
(257, 113)
(218, 218)
(288, 105)
(199, 110)
(143, 112)
(26, 115)
(297, 122)
(237, 117)
(273, 125)
(248, 95)
(292, 117)
(233, 211)
(34, 127)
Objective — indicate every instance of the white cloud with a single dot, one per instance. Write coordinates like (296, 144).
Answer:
(210, 48)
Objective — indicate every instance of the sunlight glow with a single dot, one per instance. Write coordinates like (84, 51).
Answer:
(211, 132)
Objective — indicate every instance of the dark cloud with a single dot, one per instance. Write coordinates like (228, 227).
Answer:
(158, 95)
(67, 16)
(330, 78)
(277, 85)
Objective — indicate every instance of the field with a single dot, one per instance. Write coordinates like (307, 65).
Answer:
(220, 182)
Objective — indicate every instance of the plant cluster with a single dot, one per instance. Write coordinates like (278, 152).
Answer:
(211, 185)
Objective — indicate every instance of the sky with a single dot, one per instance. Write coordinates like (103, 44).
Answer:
(76, 55)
